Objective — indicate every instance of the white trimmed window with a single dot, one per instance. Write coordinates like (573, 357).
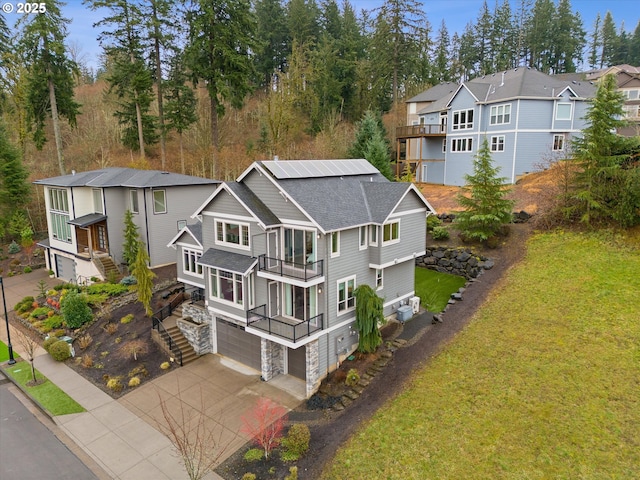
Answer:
(59, 214)
(462, 144)
(346, 299)
(233, 234)
(563, 111)
(444, 145)
(189, 259)
(500, 114)
(225, 286)
(97, 200)
(379, 278)
(391, 232)
(159, 202)
(631, 111)
(335, 244)
(463, 119)
(363, 238)
(558, 142)
(133, 201)
(373, 235)
(497, 143)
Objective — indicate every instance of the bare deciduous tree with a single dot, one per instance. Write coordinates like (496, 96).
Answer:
(29, 345)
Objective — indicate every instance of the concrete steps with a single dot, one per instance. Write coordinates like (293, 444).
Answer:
(188, 353)
(108, 266)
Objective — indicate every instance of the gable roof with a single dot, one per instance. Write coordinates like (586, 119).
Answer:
(194, 231)
(230, 261)
(124, 177)
(434, 93)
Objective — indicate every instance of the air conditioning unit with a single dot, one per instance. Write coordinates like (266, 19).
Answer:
(415, 304)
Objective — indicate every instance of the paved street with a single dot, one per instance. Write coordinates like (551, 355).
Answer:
(28, 449)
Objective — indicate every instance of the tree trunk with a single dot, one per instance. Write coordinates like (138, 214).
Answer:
(214, 134)
(163, 150)
(140, 131)
(181, 153)
(56, 126)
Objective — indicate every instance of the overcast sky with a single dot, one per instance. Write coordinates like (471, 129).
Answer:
(456, 14)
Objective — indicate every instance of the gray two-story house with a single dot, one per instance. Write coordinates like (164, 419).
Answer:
(527, 117)
(278, 254)
(85, 217)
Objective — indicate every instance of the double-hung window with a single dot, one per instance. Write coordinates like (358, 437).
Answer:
(391, 232)
(335, 244)
(59, 214)
(373, 235)
(346, 298)
(235, 234)
(463, 119)
(190, 265)
(97, 200)
(133, 201)
(497, 143)
(363, 237)
(379, 278)
(500, 114)
(226, 286)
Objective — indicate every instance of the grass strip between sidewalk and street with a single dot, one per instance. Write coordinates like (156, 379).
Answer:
(48, 395)
(543, 383)
(4, 353)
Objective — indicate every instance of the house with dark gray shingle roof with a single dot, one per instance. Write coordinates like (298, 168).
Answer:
(85, 217)
(526, 117)
(278, 254)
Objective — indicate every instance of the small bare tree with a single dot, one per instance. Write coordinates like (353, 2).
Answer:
(134, 348)
(197, 443)
(29, 345)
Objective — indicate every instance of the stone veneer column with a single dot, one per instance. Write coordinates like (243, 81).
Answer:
(272, 359)
(313, 367)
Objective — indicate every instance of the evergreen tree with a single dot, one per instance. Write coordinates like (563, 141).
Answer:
(303, 21)
(273, 35)
(634, 47)
(180, 107)
(14, 185)
(540, 35)
(377, 154)
(129, 78)
(607, 187)
(350, 45)
(326, 82)
(368, 128)
(568, 39)
(144, 277)
(441, 66)
(50, 75)
(486, 209)
(369, 316)
(504, 38)
(594, 45)
(131, 239)
(609, 41)
(219, 49)
(484, 39)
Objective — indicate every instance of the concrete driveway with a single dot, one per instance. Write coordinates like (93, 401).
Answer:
(212, 389)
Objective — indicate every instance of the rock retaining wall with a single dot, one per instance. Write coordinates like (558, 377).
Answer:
(457, 261)
(198, 335)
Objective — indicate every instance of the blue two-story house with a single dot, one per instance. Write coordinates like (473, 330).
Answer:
(277, 255)
(527, 117)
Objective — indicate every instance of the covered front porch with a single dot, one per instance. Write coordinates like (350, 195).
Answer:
(92, 238)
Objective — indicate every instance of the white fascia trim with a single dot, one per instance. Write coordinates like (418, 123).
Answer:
(297, 223)
(207, 201)
(290, 281)
(190, 246)
(405, 213)
(397, 261)
(229, 216)
(190, 281)
(413, 188)
(306, 340)
(448, 105)
(399, 299)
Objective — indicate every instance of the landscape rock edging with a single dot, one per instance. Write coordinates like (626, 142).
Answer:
(457, 261)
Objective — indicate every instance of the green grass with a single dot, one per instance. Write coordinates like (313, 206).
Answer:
(542, 384)
(4, 353)
(54, 400)
(435, 288)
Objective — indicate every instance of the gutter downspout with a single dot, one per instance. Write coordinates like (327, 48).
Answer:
(146, 221)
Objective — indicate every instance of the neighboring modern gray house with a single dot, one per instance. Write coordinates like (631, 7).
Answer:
(85, 217)
(524, 114)
(279, 252)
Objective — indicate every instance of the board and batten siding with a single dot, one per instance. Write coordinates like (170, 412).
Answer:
(271, 197)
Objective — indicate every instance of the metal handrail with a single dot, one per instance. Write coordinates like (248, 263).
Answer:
(156, 324)
(275, 326)
(284, 268)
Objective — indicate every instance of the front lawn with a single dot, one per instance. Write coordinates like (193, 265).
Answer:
(54, 400)
(4, 353)
(435, 288)
(542, 384)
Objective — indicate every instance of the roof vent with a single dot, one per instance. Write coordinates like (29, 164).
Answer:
(275, 158)
(165, 173)
(73, 172)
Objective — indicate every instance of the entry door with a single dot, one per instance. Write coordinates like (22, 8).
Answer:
(101, 231)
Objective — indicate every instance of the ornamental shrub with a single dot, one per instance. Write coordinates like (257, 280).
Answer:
(296, 443)
(432, 222)
(254, 455)
(440, 233)
(115, 384)
(134, 382)
(60, 350)
(50, 340)
(127, 281)
(352, 378)
(14, 248)
(75, 310)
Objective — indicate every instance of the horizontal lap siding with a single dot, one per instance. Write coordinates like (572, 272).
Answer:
(270, 196)
(412, 238)
(398, 281)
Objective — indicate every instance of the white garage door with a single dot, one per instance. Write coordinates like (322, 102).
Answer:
(235, 343)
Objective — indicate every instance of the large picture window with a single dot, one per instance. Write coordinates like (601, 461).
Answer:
(190, 257)
(236, 234)
(463, 119)
(500, 114)
(226, 286)
(59, 215)
(563, 111)
(346, 300)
